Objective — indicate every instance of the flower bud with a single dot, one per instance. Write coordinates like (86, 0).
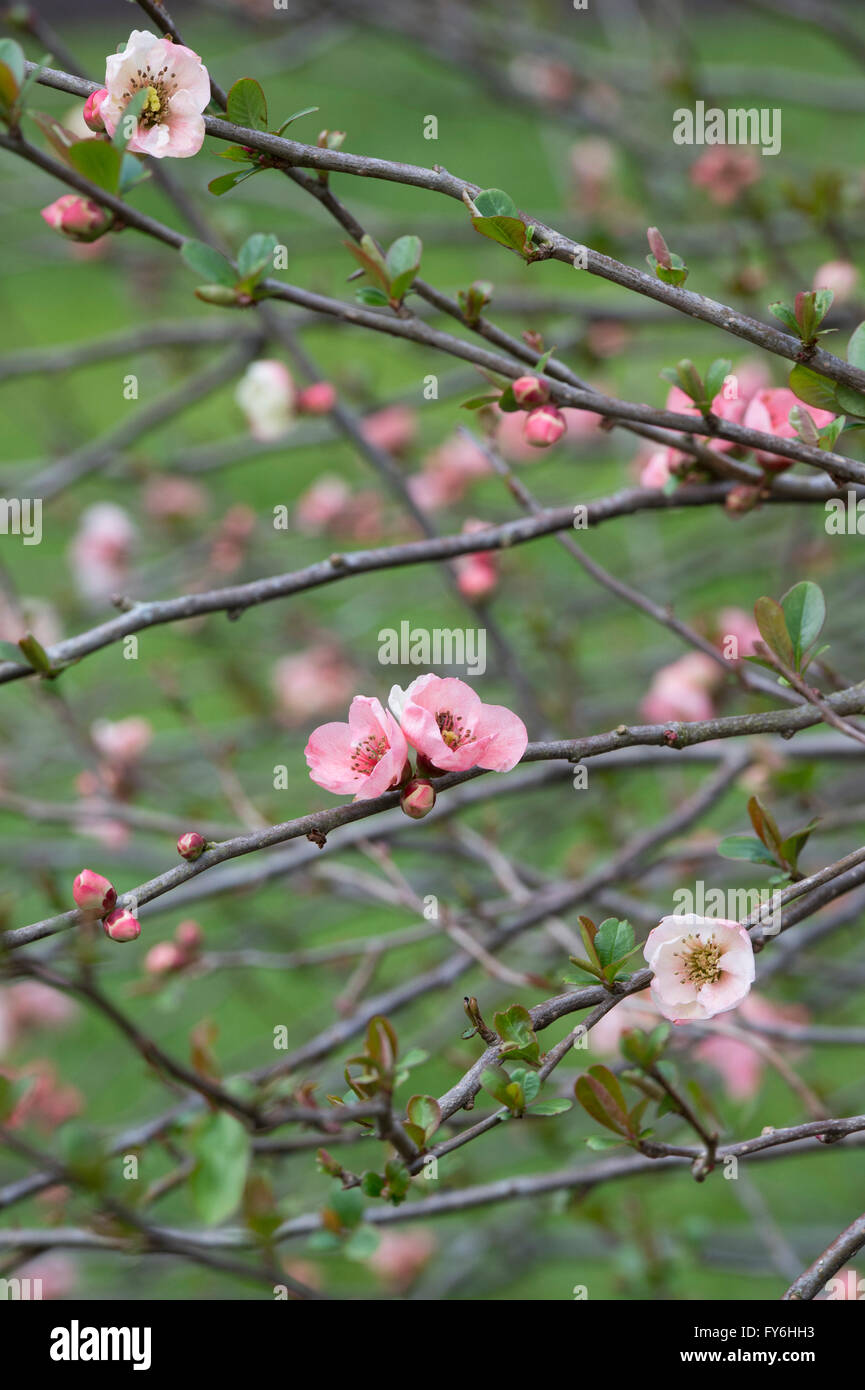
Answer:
(544, 426)
(162, 958)
(189, 937)
(77, 217)
(530, 391)
(741, 498)
(122, 926)
(93, 892)
(418, 798)
(317, 399)
(191, 845)
(92, 107)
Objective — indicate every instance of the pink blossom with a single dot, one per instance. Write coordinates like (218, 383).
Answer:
(189, 937)
(317, 399)
(311, 681)
(702, 966)
(725, 172)
(232, 538)
(510, 438)
(366, 756)
(841, 277)
(178, 90)
(737, 1060)
(453, 729)
(391, 430)
(267, 397)
(725, 405)
(101, 551)
(121, 741)
(46, 1103)
(401, 1255)
(657, 471)
(635, 1011)
(681, 691)
(742, 627)
(57, 1274)
(168, 498)
(163, 958)
(477, 573)
(769, 412)
(593, 163)
(581, 424)
(319, 507)
(78, 218)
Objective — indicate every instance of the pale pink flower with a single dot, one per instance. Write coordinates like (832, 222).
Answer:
(593, 164)
(318, 508)
(172, 498)
(702, 966)
(737, 1060)
(477, 573)
(366, 756)
(447, 472)
(736, 623)
(392, 429)
(121, 741)
(101, 551)
(769, 411)
(725, 172)
(178, 90)
(401, 1255)
(33, 1006)
(76, 217)
(657, 471)
(635, 1011)
(726, 407)
(453, 729)
(266, 395)
(312, 681)
(841, 277)
(681, 691)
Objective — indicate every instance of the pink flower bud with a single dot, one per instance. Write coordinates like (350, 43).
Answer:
(162, 958)
(77, 217)
(92, 118)
(317, 399)
(658, 246)
(122, 926)
(93, 892)
(544, 426)
(189, 937)
(418, 798)
(191, 845)
(530, 391)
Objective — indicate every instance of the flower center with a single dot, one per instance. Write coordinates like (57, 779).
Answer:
(159, 88)
(452, 729)
(701, 961)
(366, 754)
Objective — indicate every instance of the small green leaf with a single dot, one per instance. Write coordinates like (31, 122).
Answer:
(226, 182)
(402, 264)
(614, 939)
(558, 1106)
(856, 348)
(507, 231)
(247, 105)
(804, 610)
(98, 161)
(745, 847)
(371, 294)
(296, 115)
(813, 389)
(256, 255)
(773, 628)
(222, 1151)
(206, 261)
(494, 202)
(600, 1142)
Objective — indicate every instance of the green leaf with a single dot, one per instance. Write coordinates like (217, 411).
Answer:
(507, 231)
(402, 264)
(804, 610)
(596, 1099)
(226, 182)
(514, 1027)
(362, 1243)
(718, 372)
(222, 1151)
(773, 628)
(813, 389)
(558, 1106)
(369, 256)
(296, 115)
(764, 823)
(247, 105)
(494, 202)
(424, 1111)
(206, 261)
(849, 400)
(600, 1142)
(132, 172)
(256, 255)
(12, 55)
(9, 652)
(370, 294)
(745, 847)
(785, 313)
(856, 348)
(613, 940)
(98, 161)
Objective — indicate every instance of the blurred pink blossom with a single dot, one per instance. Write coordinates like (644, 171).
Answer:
(724, 172)
(101, 551)
(392, 429)
(312, 681)
(841, 277)
(681, 691)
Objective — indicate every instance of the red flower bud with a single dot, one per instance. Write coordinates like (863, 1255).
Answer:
(530, 391)
(317, 399)
(162, 958)
(418, 798)
(191, 845)
(544, 426)
(92, 108)
(78, 218)
(93, 892)
(122, 926)
(189, 937)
